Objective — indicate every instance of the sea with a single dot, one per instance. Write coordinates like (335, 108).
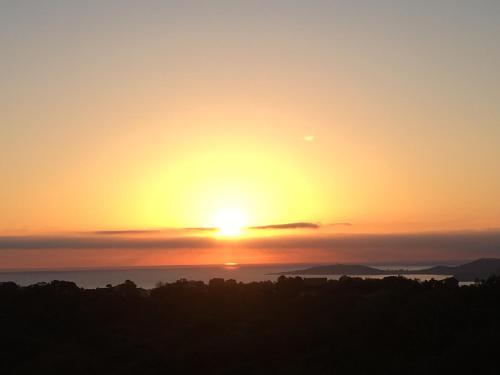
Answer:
(149, 277)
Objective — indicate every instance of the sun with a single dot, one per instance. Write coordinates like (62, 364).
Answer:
(229, 222)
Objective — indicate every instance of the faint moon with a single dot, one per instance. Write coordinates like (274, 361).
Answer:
(309, 138)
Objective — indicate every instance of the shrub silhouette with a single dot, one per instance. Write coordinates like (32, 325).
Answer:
(291, 326)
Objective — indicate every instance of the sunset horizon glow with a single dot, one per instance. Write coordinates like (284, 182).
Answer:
(248, 132)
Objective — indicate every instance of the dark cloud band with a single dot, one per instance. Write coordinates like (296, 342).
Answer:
(469, 244)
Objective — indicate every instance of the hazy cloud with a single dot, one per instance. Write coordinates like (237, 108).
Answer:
(91, 242)
(339, 225)
(131, 231)
(368, 247)
(373, 247)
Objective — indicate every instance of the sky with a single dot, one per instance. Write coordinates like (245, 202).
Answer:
(140, 115)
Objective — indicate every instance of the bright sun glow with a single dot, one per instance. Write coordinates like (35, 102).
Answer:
(229, 222)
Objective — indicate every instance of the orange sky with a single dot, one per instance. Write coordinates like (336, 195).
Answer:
(130, 115)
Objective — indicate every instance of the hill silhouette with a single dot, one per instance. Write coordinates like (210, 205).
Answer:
(478, 269)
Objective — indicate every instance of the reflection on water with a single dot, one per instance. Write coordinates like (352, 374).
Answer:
(149, 277)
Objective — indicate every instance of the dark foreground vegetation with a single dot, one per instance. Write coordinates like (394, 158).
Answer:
(293, 326)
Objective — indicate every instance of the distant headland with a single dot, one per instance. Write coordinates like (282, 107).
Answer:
(478, 269)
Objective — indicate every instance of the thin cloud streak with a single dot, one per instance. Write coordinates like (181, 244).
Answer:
(151, 231)
(299, 225)
(124, 232)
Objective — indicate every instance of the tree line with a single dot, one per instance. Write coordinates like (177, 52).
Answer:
(291, 326)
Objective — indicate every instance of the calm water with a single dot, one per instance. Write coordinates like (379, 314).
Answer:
(148, 277)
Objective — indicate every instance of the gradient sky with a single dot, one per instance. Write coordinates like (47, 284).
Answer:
(153, 114)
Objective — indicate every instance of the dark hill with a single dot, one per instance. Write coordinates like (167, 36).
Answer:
(338, 269)
(478, 269)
